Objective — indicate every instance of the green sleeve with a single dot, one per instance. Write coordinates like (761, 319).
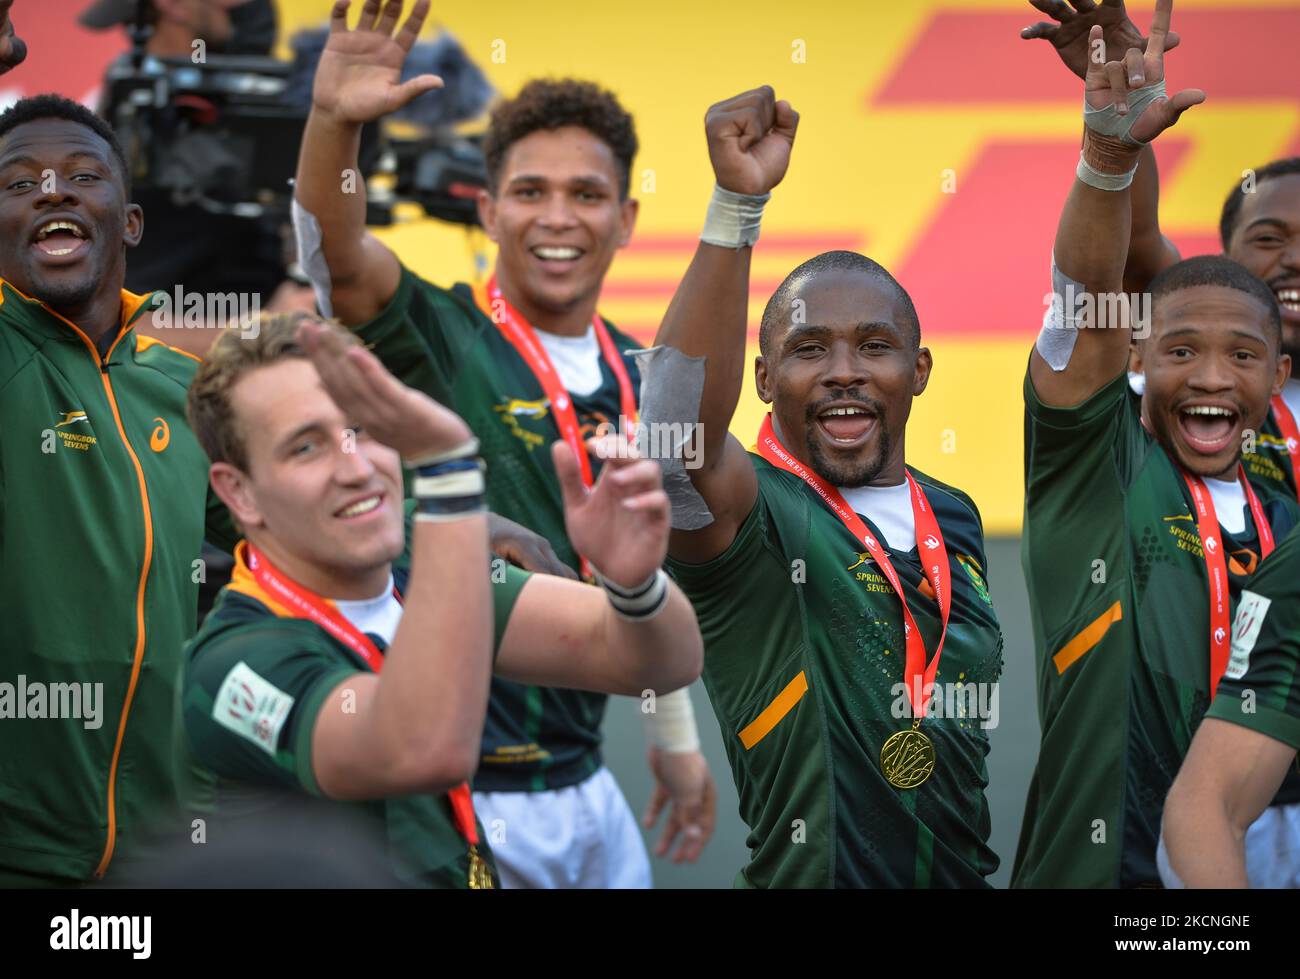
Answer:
(507, 580)
(251, 698)
(1083, 449)
(505, 592)
(1261, 689)
(424, 334)
(746, 604)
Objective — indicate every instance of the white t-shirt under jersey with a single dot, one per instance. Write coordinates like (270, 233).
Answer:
(378, 616)
(576, 360)
(1229, 503)
(1291, 393)
(889, 508)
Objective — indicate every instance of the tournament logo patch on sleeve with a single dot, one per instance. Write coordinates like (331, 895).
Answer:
(1245, 631)
(252, 707)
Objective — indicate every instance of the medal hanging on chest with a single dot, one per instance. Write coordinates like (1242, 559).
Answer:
(907, 758)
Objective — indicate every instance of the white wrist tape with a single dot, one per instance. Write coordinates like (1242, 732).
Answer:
(1060, 322)
(733, 219)
(638, 604)
(671, 726)
(466, 450)
(467, 482)
(1103, 181)
(307, 233)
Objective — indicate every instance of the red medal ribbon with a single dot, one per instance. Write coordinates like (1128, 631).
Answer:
(1291, 432)
(1216, 567)
(304, 604)
(929, 547)
(521, 335)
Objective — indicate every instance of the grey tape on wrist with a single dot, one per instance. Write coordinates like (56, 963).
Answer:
(671, 725)
(672, 385)
(732, 220)
(1060, 324)
(1103, 181)
(1109, 122)
(307, 234)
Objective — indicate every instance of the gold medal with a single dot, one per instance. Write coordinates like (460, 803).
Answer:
(480, 877)
(907, 758)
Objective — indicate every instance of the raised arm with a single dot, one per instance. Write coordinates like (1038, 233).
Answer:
(1126, 108)
(13, 50)
(1149, 251)
(1229, 777)
(749, 137)
(416, 726)
(565, 634)
(357, 81)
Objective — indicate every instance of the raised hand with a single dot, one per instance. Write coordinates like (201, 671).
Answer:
(13, 51)
(359, 75)
(1109, 84)
(373, 399)
(1075, 20)
(750, 138)
(621, 524)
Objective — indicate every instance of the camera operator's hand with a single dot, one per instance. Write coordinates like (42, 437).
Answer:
(359, 75)
(12, 49)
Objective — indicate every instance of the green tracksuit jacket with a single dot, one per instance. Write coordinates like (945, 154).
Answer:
(102, 516)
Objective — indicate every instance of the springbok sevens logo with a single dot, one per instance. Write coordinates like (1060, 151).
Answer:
(161, 436)
(72, 417)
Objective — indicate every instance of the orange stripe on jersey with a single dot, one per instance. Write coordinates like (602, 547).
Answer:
(761, 726)
(1089, 637)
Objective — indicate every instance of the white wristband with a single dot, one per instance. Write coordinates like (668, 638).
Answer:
(465, 482)
(733, 219)
(671, 726)
(1103, 181)
(638, 604)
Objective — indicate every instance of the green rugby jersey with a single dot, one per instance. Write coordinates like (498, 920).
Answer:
(1261, 688)
(1269, 462)
(102, 521)
(1119, 600)
(804, 658)
(440, 342)
(289, 666)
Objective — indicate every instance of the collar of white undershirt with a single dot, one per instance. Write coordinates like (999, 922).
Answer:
(889, 508)
(378, 616)
(1291, 395)
(1229, 503)
(576, 360)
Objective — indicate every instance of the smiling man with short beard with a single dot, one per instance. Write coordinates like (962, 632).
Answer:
(838, 589)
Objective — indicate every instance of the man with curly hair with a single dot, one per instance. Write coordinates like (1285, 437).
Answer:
(523, 359)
